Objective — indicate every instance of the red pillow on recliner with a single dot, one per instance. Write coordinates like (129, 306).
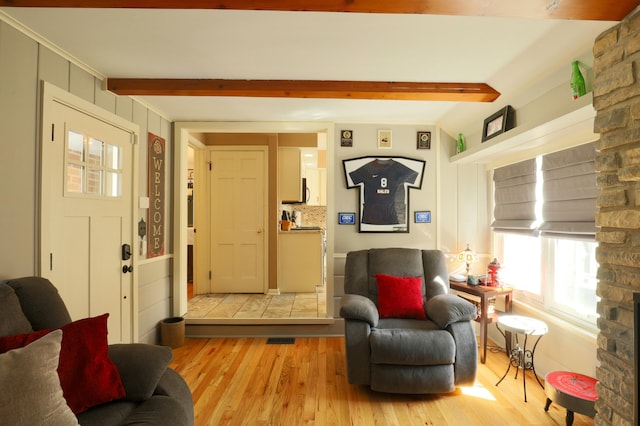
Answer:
(400, 297)
(87, 374)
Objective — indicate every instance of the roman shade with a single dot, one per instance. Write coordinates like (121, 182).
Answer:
(515, 198)
(569, 192)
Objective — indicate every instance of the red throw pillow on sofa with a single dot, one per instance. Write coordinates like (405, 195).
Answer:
(87, 374)
(400, 297)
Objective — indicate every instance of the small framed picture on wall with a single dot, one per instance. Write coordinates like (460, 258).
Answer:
(346, 138)
(384, 139)
(424, 140)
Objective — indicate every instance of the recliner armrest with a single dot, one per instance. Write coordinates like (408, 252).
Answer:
(141, 367)
(446, 309)
(357, 307)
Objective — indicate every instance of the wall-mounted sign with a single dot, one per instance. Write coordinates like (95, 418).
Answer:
(422, 217)
(156, 169)
(346, 218)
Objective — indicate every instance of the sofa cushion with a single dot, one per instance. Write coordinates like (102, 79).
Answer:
(412, 347)
(87, 375)
(31, 393)
(141, 367)
(400, 297)
(12, 320)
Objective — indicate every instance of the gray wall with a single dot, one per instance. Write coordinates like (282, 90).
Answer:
(446, 189)
(23, 64)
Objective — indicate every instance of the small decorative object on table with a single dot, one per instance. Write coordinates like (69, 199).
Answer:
(467, 256)
(493, 274)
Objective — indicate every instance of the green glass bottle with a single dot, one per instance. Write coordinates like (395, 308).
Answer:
(460, 145)
(577, 82)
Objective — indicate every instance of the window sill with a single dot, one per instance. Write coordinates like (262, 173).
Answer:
(576, 327)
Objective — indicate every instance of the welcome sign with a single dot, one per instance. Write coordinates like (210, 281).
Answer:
(156, 167)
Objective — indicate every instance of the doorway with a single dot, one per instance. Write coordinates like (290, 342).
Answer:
(184, 131)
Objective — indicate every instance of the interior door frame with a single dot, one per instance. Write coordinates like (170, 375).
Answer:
(51, 94)
(182, 131)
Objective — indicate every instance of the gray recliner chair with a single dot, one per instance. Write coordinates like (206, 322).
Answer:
(400, 355)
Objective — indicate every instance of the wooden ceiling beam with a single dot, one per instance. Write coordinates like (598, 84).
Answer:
(458, 92)
(612, 10)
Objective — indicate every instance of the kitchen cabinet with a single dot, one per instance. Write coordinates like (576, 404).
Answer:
(317, 185)
(289, 174)
(300, 261)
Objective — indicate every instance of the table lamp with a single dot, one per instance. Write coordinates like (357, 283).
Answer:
(467, 256)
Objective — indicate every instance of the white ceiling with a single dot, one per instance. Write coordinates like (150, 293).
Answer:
(507, 53)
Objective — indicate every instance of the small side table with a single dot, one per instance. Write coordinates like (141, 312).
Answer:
(575, 392)
(521, 357)
(485, 318)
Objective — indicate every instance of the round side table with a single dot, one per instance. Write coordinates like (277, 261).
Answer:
(573, 391)
(521, 357)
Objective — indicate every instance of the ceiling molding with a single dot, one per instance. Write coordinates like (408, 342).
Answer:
(325, 89)
(596, 10)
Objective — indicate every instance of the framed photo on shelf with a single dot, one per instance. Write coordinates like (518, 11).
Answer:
(424, 140)
(384, 139)
(498, 123)
(383, 184)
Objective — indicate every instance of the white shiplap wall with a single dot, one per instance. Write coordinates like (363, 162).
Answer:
(24, 62)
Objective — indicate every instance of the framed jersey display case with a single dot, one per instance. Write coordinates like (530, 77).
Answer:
(383, 184)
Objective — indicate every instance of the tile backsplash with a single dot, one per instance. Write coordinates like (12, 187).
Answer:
(311, 215)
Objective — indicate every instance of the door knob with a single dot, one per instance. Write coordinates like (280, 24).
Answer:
(259, 231)
(126, 269)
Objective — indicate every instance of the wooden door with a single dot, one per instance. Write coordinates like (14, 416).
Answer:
(86, 215)
(238, 232)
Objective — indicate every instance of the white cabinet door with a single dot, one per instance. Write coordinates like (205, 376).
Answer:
(289, 174)
(300, 261)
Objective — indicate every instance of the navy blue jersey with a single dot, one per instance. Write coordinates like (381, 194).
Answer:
(385, 186)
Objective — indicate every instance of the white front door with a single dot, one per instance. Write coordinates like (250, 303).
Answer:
(238, 206)
(86, 215)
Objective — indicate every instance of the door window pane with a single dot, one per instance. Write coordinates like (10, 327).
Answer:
(75, 147)
(94, 181)
(93, 167)
(95, 152)
(113, 184)
(75, 179)
(114, 157)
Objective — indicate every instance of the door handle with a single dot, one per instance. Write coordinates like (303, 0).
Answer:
(259, 231)
(126, 252)
(126, 269)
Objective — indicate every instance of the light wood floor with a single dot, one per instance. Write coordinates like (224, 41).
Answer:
(245, 381)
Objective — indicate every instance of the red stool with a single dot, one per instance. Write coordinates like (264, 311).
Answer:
(576, 392)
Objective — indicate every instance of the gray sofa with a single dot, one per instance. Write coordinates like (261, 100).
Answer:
(404, 355)
(154, 393)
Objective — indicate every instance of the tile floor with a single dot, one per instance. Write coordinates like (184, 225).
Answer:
(248, 306)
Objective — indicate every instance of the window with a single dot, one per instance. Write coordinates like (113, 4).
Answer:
(549, 259)
(555, 274)
(93, 167)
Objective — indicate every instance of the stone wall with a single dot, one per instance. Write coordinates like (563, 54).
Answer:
(616, 98)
